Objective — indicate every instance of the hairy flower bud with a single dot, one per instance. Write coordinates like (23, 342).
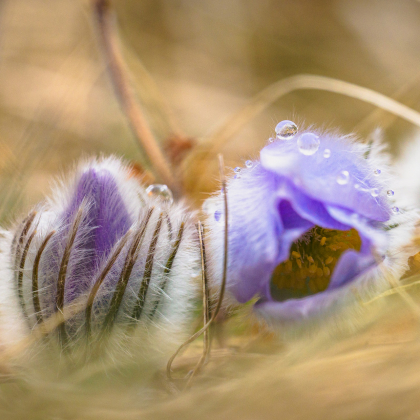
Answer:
(116, 263)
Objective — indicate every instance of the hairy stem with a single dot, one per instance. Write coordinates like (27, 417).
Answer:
(128, 103)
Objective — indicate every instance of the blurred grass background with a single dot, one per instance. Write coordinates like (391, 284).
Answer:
(207, 58)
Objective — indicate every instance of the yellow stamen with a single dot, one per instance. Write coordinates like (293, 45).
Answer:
(306, 271)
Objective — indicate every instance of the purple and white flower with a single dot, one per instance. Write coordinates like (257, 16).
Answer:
(312, 223)
(127, 254)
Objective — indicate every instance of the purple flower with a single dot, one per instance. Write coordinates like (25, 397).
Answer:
(311, 223)
(126, 253)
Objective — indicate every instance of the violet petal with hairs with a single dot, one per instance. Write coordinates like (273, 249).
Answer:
(308, 228)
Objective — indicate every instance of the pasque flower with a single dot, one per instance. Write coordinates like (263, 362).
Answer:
(312, 223)
(127, 253)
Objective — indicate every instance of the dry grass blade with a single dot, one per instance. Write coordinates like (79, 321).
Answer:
(223, 283)
(206, 308)
(272, 93)
(35, 290)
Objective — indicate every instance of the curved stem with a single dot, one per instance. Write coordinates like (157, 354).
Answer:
(129, 105)
(275, 91)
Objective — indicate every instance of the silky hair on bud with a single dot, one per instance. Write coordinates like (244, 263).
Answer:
(118, 269)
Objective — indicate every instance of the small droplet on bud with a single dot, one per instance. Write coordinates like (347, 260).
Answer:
(249, 164)
(343, 178)
(161, 192)
(390, 193)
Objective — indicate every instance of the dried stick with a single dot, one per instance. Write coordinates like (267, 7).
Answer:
(206, 309)
(130, 107)
(223, 284)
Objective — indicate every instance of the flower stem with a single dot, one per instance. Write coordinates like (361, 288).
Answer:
(128, 103)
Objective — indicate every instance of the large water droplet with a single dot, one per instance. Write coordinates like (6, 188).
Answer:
(377, 172)
(390, 193)
(343, 178)
(374, 192)
(327, 153)
(249, 164)
(160, 191)
(308, 144)
(286, 129)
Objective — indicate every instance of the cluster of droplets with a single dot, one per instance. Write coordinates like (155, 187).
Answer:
(308, 143)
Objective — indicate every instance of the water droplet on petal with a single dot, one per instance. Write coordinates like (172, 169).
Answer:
(327, 153)
(395, 210)
(286, 129)
(377, 172)
(160, 191)
(374, 192)
(217, 215)
(308, 144)
(271, 139)
(249, 164)
(357, 186)
(237, 170)
(343, 178)
(390, 193)
(355, 217)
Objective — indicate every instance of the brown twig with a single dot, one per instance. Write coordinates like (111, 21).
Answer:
(206, 309)
(129, 105)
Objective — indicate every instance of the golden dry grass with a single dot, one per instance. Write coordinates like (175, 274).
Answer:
(208, 58)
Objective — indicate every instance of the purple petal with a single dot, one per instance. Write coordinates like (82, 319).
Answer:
(105, 221)
(317, 176)
(350, 265)
(273, 203)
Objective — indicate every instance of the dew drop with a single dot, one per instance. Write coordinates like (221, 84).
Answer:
(374, 192)
(357, 187)
(160, 191)
(271, 139)
(395, 210)
(390, 193)
(217, 215)
(327, 153)
(286, 129)
(210, 205)
(249, 164)
(237, 170)
(377, 172)
(196, 272)
(343, 178)
(308, 144)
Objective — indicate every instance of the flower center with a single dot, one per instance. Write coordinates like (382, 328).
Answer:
(311, 262)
